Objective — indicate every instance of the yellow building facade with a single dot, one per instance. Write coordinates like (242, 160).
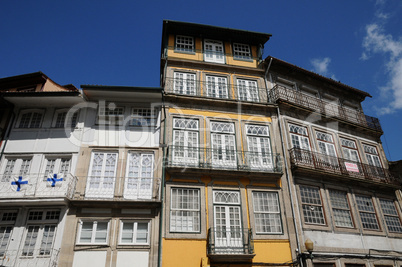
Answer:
(224, 188)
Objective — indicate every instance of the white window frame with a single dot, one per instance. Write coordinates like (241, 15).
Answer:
(259, 146)
(93, 232)
(299, 134)
(222, 138)
(184, 44)
(241, 52)
(7, 221)
(110, 114)
(372, 156)
(326, 147)
(143, 117)
(17, 169)
(142, 179)
(188, 129)
(30, 122)
(217, 86)
(247, 90)
(349, 150)
(267, 213)
(185, 83)
(63, 118)
(217, 52)
(134, 232)
(195, 213)
(58, 167)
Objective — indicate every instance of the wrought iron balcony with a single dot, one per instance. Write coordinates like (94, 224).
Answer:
(230, 241)
(33, 257)
(217, 90)
(37, 185)
(281, 93)
(222, 159)
(126, 188)
(340, 166)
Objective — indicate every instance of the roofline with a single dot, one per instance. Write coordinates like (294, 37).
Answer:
(40, 94)
(23, 76)
(120, 88)
(318, 76)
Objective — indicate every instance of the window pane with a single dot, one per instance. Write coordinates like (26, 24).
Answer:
(340, 208)
(142, 233)
(311, 205)
(86, 232)
(47, 240)
(30, 240)
(266, 212)
(185, 210)
(127, 232)
(101, 232)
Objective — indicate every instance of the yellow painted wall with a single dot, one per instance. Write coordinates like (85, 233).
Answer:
(273, 251)
(198, 55)
(183, 252)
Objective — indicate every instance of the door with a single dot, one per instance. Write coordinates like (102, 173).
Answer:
(217, 87)
(185, 142)
(223, 150)
(139, 176)
(247, 90)
(260, 152)
(213, 51)
(101, 175)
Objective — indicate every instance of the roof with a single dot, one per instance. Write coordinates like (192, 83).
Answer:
(194, 29)
(280, 63)
(120, 88)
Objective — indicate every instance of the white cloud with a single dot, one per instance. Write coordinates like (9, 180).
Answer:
(321, 65)
(378, 42)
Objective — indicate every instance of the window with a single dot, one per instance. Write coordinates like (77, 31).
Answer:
(101, 176)
(184, 43)
(184, 83)
(7, 220)
(349, 150)
(185, 210)
(247, 90)
(213, 51)
(367, 213)
(312, 205)
(59, 166)
(241, 51)
(111, 115)
(217, 87)
(143, 117)
(134, 233)
(30, 119)
(63, 118)
(299, 137)
(259, 148)
(40, 232)
(185, 141)
(15, 168)
(391, 216)
(223, 144)
(340, 208)
(327, 149)
(139, 177)
(267, 213)
(372, 156)
(93, 232)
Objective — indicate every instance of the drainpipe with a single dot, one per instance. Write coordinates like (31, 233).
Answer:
(286, 165)
(265, 80)
(162, 182)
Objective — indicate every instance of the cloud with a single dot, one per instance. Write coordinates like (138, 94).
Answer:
(376, 41)
(321, 65)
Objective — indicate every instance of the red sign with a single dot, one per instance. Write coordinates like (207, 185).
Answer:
(351, 167)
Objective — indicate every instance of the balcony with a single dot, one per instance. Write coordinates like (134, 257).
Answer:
(122, 188)
(37, 186)
(308, 160)
(215, 90)
(230, 245)
(33, 258)
(283, 94)
(196, 159)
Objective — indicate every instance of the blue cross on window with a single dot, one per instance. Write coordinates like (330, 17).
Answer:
(54, 180)
(19, 183)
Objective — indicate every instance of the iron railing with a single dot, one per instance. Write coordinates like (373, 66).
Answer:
(323, 107)
(234, 240)
(110, 187)
(34, 258)
(35, 185)
(216, 90)
(319, 161)
(202, 52)
(207, 158)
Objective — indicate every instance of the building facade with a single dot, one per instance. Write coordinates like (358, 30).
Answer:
(224, 198)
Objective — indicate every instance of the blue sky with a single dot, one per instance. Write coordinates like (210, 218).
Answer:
(118, 42)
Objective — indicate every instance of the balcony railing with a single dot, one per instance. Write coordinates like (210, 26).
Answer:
(35, 258)
(329, 109)
(222, 240)
(217, 90)
(37, 185)
(341, 166)
(128, 188)
(221, 159)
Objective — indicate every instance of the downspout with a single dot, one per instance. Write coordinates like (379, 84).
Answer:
(286, 164)
(162, 182)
